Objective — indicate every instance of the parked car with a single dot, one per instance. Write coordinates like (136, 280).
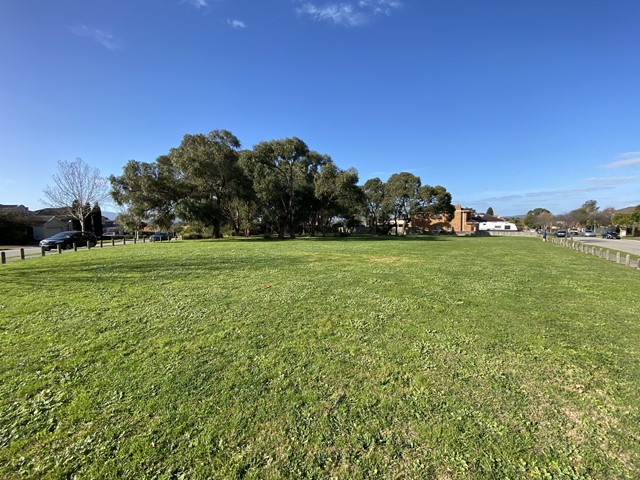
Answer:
(66, 240)
(611, 235)
(159, 237)
(573, 231)
(589, 233)
(111, 235)
(561, 233)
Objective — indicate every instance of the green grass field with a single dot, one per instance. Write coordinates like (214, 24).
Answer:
(446, 358)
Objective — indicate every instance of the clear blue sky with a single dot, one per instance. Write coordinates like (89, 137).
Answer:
(510, 104)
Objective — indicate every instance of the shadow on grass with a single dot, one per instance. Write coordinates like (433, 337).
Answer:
(334, 238)
(181, 265)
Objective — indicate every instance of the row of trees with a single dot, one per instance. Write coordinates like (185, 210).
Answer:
(278, 186)
(404, 197)
(627, 219)
(588, 214)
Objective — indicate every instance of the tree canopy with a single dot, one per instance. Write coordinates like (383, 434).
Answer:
(277, 186)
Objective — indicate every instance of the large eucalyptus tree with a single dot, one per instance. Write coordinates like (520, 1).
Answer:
(281, 172)
(212, 180)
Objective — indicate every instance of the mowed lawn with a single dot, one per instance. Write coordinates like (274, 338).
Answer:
(445, 358)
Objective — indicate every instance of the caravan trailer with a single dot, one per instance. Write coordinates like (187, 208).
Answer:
(498, 226)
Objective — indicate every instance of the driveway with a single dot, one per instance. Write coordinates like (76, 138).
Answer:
(628, 246)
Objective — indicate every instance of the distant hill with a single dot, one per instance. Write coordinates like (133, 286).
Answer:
(109, 215)
(626, 209)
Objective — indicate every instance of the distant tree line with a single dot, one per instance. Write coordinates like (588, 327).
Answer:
(277, 187)
(587, 215)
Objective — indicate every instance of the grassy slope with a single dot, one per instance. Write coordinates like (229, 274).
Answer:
(444, 358)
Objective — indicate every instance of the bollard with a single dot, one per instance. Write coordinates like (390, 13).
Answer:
(100, 243)
(134, 240)
(124, 240)
(75, 247)
(113, 242)
(22, 253)
(3, 256)
(59, 248)
(144, 239)
(43, 251)
(628, 260)
(618, 257)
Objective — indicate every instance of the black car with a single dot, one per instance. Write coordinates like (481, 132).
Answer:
(611, 235)
(159, 237)
(67, 239)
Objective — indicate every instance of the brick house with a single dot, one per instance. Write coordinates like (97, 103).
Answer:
(461, 222)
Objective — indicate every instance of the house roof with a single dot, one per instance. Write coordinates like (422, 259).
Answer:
(21, 208)
(52, 211)
(44, 219)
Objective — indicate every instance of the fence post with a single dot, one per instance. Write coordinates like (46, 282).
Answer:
(22, 254)
(628, 260)
(113, 242)
(43, 251)
(134, 240)
(75, 247)
(618, 257)
(3, 256)
(59, 248)
(124, 240)
(100, 243)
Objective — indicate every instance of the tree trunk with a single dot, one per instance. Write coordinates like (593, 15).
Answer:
(292, 230)
(312, 227)
(216, 229)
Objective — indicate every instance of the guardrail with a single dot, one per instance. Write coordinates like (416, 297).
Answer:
(101, 243)
(620, 258)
